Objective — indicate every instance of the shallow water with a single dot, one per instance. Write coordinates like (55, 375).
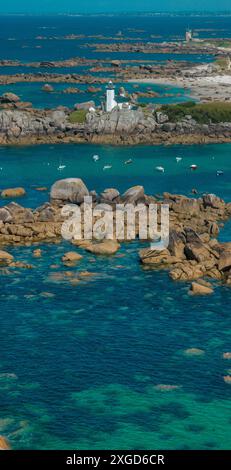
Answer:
(39, 167)
(80, 361)
(33, 93)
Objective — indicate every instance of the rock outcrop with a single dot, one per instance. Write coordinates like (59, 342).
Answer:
(4, 444)
(19, 123)
(192, 253)
(69, 190)
(5, 257)
(13, 193)
(200, 289)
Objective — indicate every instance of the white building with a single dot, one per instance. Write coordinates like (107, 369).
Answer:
(188, 35)
(111, 103)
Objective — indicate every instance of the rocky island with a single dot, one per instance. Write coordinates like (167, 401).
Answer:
(192, 255)
(28, 126)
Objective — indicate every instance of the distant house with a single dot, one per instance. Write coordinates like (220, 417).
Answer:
(188, 35)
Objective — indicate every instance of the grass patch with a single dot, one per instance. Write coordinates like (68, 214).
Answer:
(203, 113)
(222, 62)
(78, 117)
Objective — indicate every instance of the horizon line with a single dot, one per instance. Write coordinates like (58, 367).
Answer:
(125, 12)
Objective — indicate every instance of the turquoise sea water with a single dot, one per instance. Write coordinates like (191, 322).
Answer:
(33, 93)
(80, 362)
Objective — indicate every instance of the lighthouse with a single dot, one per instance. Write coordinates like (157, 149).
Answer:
(110, 97)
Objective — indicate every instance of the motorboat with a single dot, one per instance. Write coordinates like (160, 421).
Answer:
(160, 168)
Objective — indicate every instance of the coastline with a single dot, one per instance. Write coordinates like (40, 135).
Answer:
(208, 88)
(119, 140)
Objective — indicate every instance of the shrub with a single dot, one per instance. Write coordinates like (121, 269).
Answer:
(203, 113)
(78, 116)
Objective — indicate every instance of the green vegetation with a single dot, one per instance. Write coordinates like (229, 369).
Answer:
(225, 44)
(203, 113)
(222, 62)
(78, 116)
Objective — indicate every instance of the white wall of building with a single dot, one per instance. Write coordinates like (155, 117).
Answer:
(110, 100)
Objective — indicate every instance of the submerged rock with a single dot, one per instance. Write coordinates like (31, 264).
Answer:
(166, 388)
(194, 352)
(37, 253)
(227, 355)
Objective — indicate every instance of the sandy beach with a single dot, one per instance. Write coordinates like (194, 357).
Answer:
(208, 88)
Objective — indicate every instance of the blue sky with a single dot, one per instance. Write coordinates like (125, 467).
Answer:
(93, 6)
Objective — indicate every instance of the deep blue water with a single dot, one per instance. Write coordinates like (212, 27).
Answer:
(18, 35)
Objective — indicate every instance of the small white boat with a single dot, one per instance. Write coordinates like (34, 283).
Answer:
(160, 168)
(220, 172)
(61, 166)
(127, 162)
(193, 167)
(95, 158)
(178, 159)
(107, 167)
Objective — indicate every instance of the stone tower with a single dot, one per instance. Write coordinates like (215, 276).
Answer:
(188, 35)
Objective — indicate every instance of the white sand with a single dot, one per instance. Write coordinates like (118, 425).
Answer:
(215, 87)
(218, 79)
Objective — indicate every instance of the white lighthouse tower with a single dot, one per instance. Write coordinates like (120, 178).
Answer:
(110, 97)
